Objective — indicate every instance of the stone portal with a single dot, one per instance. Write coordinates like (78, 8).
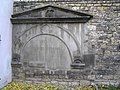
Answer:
(49, 38)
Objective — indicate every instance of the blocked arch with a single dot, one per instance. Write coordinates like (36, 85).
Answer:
(51, 36)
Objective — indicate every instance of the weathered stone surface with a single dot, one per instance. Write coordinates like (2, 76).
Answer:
(21, 76)
(116, 77)
(91, 77)
(102, 41)
(84, 82)
(108, 77)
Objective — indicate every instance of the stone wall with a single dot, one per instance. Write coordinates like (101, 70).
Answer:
(103, 39)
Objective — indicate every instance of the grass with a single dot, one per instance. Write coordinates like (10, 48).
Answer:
(22, 86)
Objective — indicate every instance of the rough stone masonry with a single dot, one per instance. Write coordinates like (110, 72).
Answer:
(103, 41)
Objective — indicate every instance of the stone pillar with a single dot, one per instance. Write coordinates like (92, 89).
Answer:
(6, 7)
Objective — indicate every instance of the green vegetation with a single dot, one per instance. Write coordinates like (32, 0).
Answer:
(21, 86)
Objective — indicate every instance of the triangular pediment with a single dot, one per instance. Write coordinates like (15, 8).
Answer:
(50, 13)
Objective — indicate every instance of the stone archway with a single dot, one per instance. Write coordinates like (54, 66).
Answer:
(46, 51)
(50, 40)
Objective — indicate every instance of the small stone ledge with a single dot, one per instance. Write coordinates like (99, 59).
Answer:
(16, 64)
